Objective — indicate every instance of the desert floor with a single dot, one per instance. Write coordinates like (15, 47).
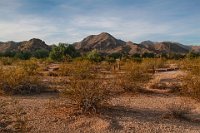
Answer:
(143, 112)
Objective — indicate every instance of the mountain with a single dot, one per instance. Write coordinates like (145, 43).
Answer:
(195, 49)
(165, 47)
(31, 45)
(106, 43)
(103, 42)
(8, 46)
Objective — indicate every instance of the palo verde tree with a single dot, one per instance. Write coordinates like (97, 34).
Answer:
(62, 51)
(94, 56)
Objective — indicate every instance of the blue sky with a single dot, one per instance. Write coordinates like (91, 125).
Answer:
(71, 20)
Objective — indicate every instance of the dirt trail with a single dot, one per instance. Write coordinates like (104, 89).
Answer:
(127, 113)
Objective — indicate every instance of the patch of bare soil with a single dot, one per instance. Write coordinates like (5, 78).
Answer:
(126, 113)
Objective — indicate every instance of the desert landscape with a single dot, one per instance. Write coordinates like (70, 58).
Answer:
(79, 88)
(99, 66)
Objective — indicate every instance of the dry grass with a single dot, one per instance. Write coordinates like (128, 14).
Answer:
(135, 76)
(15, 80)
(190, 86)
(30, 66)
(6, 61)
(191, 81)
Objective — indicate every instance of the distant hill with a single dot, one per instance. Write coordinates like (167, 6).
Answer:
(106, 43)
(31, 45)
(103, 42)
(165, 47)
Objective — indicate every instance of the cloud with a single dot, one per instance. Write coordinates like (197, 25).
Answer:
(71, 21)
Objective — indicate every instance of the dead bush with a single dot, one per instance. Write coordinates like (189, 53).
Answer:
(30, 67)
(190, 86)
(86, 95)
(135, 76)
(16, 81)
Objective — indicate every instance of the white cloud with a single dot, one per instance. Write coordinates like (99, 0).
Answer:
(132, 24)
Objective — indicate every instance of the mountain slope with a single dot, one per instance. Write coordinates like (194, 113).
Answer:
(165, 47)
(31, 45)
(103, 42)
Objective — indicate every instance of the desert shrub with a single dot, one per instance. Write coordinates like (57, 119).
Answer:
(82, 70)
(110, 59)
(41, 53)
(59, 53)
(191, 80)
(179, 111)
(192, 55)
(190, 86)
(115, 55)
(66, 69)
(23, 55)
(136, 75)
(148, 55)
(77, 69)
(16, 81)
(155, 63)
(191, 65)
(9, 54)
(30, 66)
(94, 56)
(86, 95)
(137, 59)
(6, 61)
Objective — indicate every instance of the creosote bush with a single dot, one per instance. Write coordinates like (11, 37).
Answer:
(191, 81)
(30, 66)
(190, 86)
(86, 95)
(135, 76)
(15, 80)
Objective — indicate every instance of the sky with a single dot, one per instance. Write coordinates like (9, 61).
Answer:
(70, 21)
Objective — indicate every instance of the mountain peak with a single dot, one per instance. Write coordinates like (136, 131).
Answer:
(102, 41)
(105, 34)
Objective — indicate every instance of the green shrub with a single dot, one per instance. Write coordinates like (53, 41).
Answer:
(41, 53)
(94, 56)
(23, 55)
(60, 52)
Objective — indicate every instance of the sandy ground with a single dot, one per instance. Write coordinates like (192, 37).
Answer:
(126, 113)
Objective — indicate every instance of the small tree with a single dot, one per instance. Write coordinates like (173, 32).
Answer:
(9, 54)
(94, 56)
(62, 51)
(23, 55)
(41, 53)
